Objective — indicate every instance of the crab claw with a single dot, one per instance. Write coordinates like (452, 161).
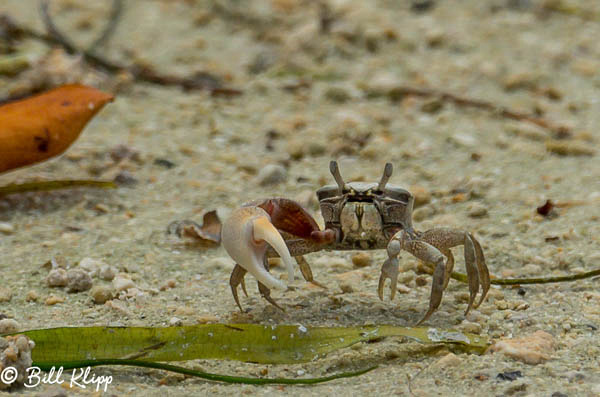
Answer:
(245, 235)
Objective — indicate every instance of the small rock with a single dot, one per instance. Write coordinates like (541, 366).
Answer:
(271, 174)
(361, 259)
(509, 375)
(296, 148)
(101, 294)
(471, 327)
(337, 94)
(346, 288)
(207, 319)
(125, 178)
(449, 360)
(464, 139)
(5, 295)
(501, 304)
(403, 289)
(9, 326)
(78, 280)
(168, 285)
(569, 148)
(53, 300)
(32, 296)
(6, 228)
(57, 278)
(121, 283)
(422, 196)
(90, 265)
(316, 149)
(174, 321)
(532, 349)
(477, 210)
(107, 273)
(421, 281)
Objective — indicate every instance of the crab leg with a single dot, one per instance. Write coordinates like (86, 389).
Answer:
(427, 253)
(245, 235)
(477, 271)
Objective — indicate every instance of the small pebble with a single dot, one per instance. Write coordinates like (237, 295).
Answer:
(501, 304)
(121, 283)
(403, 289)
(449, 360)
(107, 273)
(421, 281)
(9, 326)
(422, 196)
(346, 288)
(569, 148)
(337, 94)
(125, 178)
(468, 326)
(5, 295)
(531, 269)
(32, 296)
(532, 349)
(175, 321)
(101, 294)
(57, 278)
(53, 300)
(78, 280)
(271, 174)
(361, 259)
(90, 265)
(464, 139)
(207, 319)
(168, 284)
(477, 210)
(6, 228)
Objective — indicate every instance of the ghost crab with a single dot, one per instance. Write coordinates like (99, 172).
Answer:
(358, 216)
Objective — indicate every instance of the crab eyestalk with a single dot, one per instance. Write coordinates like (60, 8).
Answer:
(387, 173)
(335, 171)
(245, 236)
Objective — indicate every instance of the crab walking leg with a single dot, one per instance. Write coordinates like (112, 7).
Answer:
(427, 253)
(237, 278)
(266, 292)
(390, 269)
(245, 235)
(444, 239)
(307, 272)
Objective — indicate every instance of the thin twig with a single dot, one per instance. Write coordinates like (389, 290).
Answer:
(113, 21)
(403, 91)
(522, 281)
(197, 81)
(53, 31)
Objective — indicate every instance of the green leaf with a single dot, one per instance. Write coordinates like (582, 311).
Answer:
(277, 344)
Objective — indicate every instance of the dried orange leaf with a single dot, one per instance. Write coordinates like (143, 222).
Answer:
(43, 126)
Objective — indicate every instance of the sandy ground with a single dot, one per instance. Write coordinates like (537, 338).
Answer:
(470, 169)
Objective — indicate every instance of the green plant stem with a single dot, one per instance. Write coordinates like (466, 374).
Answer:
(42, 186)
(200, 374)
(521, 281)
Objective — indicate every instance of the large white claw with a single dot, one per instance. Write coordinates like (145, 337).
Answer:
(245, 235)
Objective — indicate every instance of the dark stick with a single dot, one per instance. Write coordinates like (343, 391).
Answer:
(113, 21)
(197, 81)
(402, 91)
